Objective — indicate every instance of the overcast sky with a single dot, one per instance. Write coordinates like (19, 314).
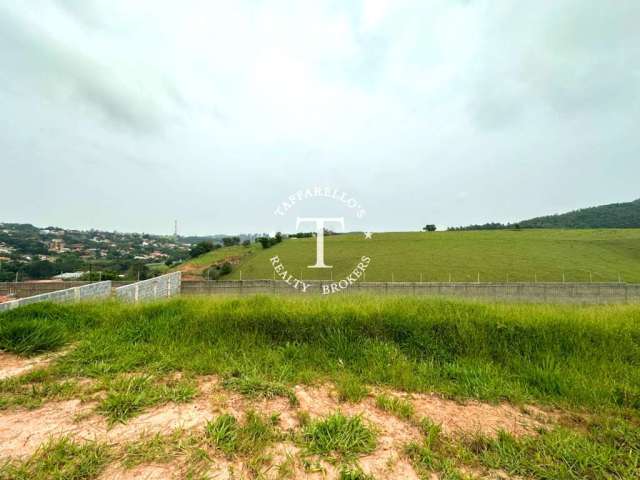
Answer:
(126, 115)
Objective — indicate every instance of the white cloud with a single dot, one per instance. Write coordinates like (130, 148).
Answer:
(403, 101)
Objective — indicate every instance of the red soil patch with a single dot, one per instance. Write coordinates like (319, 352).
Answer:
(22, 432)
(393, 433)
(473, 416)
(150, 471)
(13, 365)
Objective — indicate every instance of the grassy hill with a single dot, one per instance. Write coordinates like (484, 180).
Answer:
(522, 255)
(615, 215)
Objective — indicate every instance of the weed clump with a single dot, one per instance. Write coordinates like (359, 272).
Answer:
(354, 474)
(254, 387)
(127, 396)
(59, 460)
(397, 406)
(350, 389)
(250, 438)
(339, 435)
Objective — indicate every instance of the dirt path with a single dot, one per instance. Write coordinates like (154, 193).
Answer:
(13, 365)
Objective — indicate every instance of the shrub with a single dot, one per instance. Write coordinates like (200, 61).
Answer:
(201, 248)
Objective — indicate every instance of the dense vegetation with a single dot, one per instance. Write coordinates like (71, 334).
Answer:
(614, 215)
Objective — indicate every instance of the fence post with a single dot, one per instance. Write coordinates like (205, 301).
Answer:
(626, 293)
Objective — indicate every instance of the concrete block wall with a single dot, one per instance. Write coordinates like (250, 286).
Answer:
(159, 287)
(578, 293)
(84, 292)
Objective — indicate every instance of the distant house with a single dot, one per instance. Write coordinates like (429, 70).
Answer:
(56, 245)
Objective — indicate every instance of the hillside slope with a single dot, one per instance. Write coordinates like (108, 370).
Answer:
(195, 268)
(524, 255)
(615, 215)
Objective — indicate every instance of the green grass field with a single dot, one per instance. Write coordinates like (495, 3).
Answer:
(583, 363)
(571, 355)
(498, 256)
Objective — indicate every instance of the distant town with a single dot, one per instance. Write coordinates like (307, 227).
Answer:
(28, 252)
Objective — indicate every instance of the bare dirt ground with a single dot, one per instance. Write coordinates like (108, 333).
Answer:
(12, 365)
(194, 272)
(23, 431)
